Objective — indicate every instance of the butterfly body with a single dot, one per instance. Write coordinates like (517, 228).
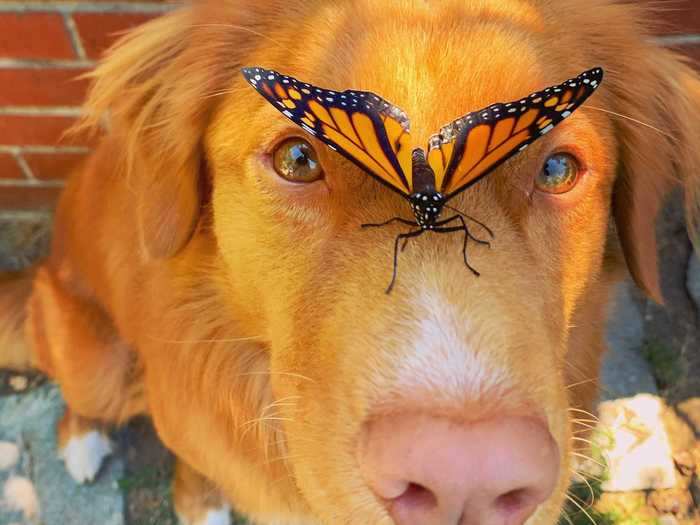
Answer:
(426, 202)
(375, 135)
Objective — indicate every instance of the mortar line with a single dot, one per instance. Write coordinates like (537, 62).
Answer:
(73, 7)
(75, 39)
(16, 63)
(26, 169)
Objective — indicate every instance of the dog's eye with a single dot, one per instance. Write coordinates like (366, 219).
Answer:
(559, 174)
(296, 161)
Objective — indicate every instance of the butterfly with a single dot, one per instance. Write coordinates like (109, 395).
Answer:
(375, 135)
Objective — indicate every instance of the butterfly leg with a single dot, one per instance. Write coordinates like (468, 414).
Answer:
(467, 236)
(405, 237)
(447, 221)
(461, 217)
(437, 224)
(475, 221)
(390, 221)
(470, 236)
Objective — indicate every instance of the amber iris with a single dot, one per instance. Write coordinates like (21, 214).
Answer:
(296, 161)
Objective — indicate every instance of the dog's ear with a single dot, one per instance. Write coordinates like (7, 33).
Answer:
(659, 130)
(154, 92)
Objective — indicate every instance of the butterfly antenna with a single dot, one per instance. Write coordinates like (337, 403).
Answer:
(490, 232)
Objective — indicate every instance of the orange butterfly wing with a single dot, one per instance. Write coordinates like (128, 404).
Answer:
(364, 128)
(473, 146)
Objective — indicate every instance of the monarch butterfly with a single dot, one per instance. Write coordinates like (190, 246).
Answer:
(375, 135)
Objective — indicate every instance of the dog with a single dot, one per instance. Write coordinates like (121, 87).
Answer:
(246, 314)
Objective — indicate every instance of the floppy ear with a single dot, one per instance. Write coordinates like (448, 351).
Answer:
(155, 89)
(660, 149)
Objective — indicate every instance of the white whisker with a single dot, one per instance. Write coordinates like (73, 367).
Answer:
(668, 135)
(572, 500)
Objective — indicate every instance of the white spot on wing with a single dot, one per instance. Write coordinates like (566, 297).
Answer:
(307, 128)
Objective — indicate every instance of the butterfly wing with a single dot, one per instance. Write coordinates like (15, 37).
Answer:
(360, 125)
(474, 145)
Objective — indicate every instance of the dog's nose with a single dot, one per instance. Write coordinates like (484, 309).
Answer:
(433, 471)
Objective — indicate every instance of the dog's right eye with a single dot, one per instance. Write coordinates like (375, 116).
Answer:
(559, 174)
(296, 161)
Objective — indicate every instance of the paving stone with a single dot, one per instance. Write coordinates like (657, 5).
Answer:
(28, 421)
(24, 237)
(677, 502)
(640, 456)
(625, 372)
(693, 278)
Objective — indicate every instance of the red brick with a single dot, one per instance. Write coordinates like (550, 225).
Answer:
(42, 87)
(22, 130)
(9, 169)
(99, 30)
(48, 166)
(34, 36)
(28, 197)
(681, 16)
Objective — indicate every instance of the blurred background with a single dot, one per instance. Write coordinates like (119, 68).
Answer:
(45, 46)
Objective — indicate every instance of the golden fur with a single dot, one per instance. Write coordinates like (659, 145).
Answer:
(249, 318)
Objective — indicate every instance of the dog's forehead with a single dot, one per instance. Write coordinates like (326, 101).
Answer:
(440, 75)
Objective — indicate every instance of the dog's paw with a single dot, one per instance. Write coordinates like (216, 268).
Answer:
(220, 516)
(84, 454)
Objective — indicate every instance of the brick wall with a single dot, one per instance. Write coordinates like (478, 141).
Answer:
(44, 46)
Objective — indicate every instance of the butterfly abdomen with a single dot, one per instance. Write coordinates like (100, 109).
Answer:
(423, 174)
(426, 201)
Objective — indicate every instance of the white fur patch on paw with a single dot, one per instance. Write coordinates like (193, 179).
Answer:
(19, 494)
(220, 516)
(84, 454)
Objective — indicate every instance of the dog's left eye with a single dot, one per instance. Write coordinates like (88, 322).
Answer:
(296, 161)
(559, 174)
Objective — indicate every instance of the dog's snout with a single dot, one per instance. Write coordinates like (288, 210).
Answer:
(434, 471)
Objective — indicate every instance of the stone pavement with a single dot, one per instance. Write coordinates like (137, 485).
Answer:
(27, 421)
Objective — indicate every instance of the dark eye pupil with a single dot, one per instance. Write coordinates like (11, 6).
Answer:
(558, 170)
(557, 167)
(559, 174)
(299, 156)
(295, 160)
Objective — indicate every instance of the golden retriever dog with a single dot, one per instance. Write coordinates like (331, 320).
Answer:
(190, 280)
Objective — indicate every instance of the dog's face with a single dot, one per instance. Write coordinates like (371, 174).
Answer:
(444, 343)
(377, 404)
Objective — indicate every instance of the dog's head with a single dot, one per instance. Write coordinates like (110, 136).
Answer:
(377, 404)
